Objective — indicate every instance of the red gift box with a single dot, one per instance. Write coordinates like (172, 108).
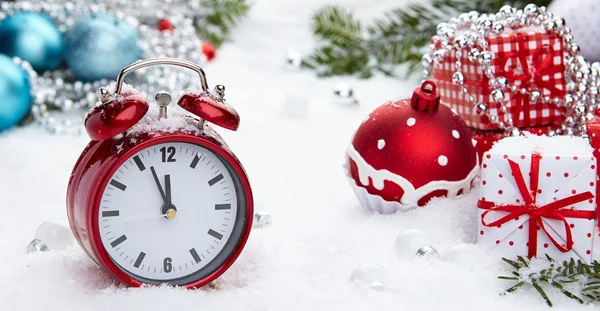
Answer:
(527, 59)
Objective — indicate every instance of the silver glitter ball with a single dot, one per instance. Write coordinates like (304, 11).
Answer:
(580, 108)
(458, 78)
(261, 219)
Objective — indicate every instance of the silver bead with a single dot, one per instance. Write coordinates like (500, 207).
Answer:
(481, 108)
(550, 25)
(261, 219)
(506, 10)
(498, 28)
(535, 95)
(531, 10)
(473, 55)
(486, 57)
(438, 56)
(485, 23)
(580, 108)
(460, 42)
(458, 78)
(497, 96)
(426, 60)
(502, 82)
(574, 48)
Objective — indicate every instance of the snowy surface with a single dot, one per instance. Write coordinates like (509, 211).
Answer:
(319, 234)
(561, 145)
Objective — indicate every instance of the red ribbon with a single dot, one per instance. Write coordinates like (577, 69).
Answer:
(542, 66)
(554, 210)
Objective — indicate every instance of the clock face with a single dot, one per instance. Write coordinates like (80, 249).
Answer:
(172, 213)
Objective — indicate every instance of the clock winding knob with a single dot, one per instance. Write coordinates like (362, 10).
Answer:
(163, 99)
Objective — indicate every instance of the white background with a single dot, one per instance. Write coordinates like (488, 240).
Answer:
(319, 235)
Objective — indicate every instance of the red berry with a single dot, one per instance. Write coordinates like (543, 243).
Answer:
(209, 51)
(164, 25)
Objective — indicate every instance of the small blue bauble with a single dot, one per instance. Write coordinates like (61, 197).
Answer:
(15, 96)
(99, 46)
(34, 38)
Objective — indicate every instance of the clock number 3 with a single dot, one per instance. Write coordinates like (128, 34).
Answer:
(167, 266)
(171, 154)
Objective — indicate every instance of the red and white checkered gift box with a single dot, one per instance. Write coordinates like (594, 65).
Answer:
(529, 59)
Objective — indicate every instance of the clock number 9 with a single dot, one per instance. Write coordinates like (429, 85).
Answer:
(167, 266)
(170, 151)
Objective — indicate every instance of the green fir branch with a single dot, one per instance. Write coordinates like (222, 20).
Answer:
(565, 277)
(400, 36)
(218, 18)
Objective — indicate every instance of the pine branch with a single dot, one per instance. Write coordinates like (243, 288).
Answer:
(218, 19)
(400, 36)
(560, 276)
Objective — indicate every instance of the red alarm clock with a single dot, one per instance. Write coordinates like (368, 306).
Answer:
(160, 204)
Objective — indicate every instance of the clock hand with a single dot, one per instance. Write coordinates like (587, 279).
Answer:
(162, 193)
(168, 200)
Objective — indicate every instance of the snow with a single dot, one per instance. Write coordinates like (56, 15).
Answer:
(562, 145)
(319, 235)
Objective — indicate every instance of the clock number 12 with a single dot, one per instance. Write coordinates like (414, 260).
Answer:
(171, 154)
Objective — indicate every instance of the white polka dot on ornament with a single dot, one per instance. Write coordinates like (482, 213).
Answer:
(411, 121)
(455, 134)
(380, 144)
(443, 160)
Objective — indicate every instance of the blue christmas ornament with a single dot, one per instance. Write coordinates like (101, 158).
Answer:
(34, 38)
(15, 96)
(99, 46)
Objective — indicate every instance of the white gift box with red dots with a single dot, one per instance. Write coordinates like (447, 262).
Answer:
(567, 176)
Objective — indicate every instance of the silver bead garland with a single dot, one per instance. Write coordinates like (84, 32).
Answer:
(471, 29)
(60, 105)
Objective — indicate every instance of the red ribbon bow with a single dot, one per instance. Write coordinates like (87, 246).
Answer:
(554, 210)
(543, 65)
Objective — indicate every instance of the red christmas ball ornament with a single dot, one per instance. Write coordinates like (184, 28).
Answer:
(164, 25)
(209, 51)
(409, 151)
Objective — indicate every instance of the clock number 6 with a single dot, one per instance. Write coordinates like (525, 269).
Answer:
(170, 151)
(167, 266)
